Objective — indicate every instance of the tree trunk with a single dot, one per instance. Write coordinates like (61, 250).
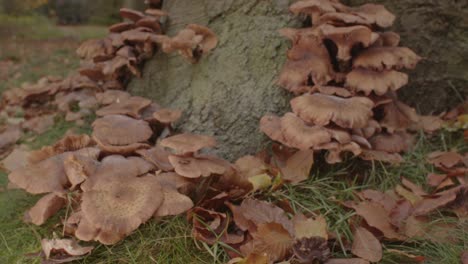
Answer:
(229, 90)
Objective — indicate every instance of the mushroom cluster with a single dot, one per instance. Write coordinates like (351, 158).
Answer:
(131, 169)
(345, 70)
(107, 65)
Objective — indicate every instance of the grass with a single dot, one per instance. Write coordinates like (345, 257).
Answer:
(50, 51)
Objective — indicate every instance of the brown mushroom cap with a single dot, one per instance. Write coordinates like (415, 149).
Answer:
(120, 130)
(332, 90)
(156, 12)
(121, 27)
(43, 177)
(99, 49)
(392, 143)
(271, 126)
(167, 116)
(174, 203)
(346, 38)
(150, 22)
(195, 167)
(336, 149)
(389, 39)
(78, 168)
(188, 143)
(379, 82)
(67, 143)
(308, 57)
(127, 106)
(121, 204)
(299, 135)
(342, 19)
(158, 156)
(131, 14)
(375, 155)
(375, 14)
(312, 8)
(209, 42)
(398, 116)
(322, 109)
(46, 207)
(122, 150)
(386, 58)
(112, 96)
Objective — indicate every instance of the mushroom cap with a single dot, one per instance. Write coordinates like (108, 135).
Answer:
(121, 204)
(379, 82)
(158, 156)
(375, 14)
(375, 155)
(371, 129)
(99, 49)
(322, 109)
(342, 19)
(392, 143)
(209, 42)
(78, 168)
(131, 14)
(345, 38)
(331, 90)
(120, 130)
(196, 167)
(126, 106)
(271, 125)
(45, 207)
(336, 149)
(174, 203)
(310, 7)
(112, 96)
(121, 27)
(67, 143)
(156, 12)
(121, 150)
(307, 58)
(43, 177)
(299, 135)
(398, 116)
(167, 116)
(388, 39)
(150, 22)
(188, 143)
(386, 58)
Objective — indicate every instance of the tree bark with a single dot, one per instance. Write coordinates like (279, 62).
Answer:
(229, 90)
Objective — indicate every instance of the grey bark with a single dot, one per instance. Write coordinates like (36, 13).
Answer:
(229, 90)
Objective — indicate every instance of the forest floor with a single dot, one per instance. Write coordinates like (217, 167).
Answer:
(26, 55)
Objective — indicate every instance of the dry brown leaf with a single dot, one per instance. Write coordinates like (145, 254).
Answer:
(46, 207)
(311, 250)
(445, 159)
(274, 240)
(63, 250)
(308, 227)
(428, 205)
(347, 261)
(297, 167)
(377, 217)
(366, 245)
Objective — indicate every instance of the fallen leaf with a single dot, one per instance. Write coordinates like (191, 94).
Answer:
(408, 195)
(377, 217)
(311, 250)
(63, 250)
(366, 245)
(16, 159)
(308, 227)
(445, 159)
(260, 182)
(464, 257)
(428, 205)
(46, 207)
(274, 240)
(297, 168)
(347, 261)
(411, 257)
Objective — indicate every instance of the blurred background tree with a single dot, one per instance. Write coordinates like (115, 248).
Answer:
(71, 12)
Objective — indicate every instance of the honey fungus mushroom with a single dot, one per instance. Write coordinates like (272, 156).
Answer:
(386, 58)
(379, 82)
(188, 143)
(121, 204)
(308, 58)
(322, 109)
(345, 38)
(313, 8)
(120, 130)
